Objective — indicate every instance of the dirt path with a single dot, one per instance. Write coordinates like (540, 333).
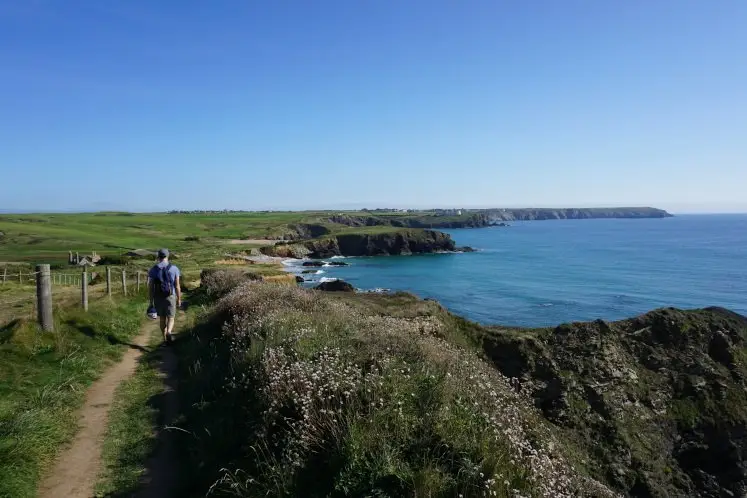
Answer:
(161, 474)
(76, 469)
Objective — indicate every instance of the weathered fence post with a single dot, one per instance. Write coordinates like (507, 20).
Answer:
(5, 273)
(109, 281)
(84, 290)
(124, 282)
(20, 277)
(44, 297)
(138, 282)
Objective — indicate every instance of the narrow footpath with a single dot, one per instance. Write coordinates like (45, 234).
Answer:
(76, 469)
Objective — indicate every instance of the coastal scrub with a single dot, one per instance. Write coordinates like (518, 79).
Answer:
(308, 395)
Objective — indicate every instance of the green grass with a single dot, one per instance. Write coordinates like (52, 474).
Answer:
(49, 237)
(43, 377)
(130, 437)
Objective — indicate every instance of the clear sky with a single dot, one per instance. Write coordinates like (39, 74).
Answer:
(153, 105)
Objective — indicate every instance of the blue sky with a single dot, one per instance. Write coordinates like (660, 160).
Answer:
(153, 105)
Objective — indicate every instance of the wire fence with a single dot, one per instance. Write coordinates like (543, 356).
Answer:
(31, 294)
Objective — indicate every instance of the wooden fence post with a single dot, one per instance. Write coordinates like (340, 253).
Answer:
(138, 282)
(124, 282)
(44, 298)
(5, 273)
(84, 290)
(20, 277)
(109, 281)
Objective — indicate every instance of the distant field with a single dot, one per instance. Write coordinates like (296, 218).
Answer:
(49, 237)
(30, 238)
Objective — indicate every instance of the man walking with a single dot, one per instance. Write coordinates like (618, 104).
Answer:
(165, 292)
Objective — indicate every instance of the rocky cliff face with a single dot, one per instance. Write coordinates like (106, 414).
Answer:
(403, 242)
(396, 242)
(655, 405)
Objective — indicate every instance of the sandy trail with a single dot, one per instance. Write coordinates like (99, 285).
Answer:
(76, 469)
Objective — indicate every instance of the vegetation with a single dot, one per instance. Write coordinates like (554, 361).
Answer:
(43, 379)
(288, 392)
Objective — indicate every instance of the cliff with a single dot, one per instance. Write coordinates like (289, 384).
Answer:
(470, 220)
(316, 227)
(656, 405)
(377, 243)
(495, 215)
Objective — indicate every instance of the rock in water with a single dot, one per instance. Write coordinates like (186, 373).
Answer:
(299, 279)
(335, 286)
(316, 264)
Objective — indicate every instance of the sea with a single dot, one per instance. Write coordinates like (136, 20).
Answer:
(543, 273)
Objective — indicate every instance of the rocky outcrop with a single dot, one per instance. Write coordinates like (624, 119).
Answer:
(396, 242)
(401, 242)
(335, 286)
(283, 250)
(302, 231)
(657, 404)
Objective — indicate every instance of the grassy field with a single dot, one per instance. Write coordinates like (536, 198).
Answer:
(49, 237)
(43, 379)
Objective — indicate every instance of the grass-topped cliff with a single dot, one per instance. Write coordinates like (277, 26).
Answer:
(299, 392)
(368, 241)
(49, 237)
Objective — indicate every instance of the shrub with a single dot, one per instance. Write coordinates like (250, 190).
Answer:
(307, 396)
(114, 260)
(192, 238)
(216, 282)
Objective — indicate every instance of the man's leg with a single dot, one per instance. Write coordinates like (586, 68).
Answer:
(171, 308)
(164, 325)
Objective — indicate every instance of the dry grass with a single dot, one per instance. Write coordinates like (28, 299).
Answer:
(233, 262)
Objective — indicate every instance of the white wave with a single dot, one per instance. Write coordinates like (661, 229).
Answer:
(328, 279)
(338, 257)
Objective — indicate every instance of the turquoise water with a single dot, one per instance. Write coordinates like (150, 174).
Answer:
(548, 272)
